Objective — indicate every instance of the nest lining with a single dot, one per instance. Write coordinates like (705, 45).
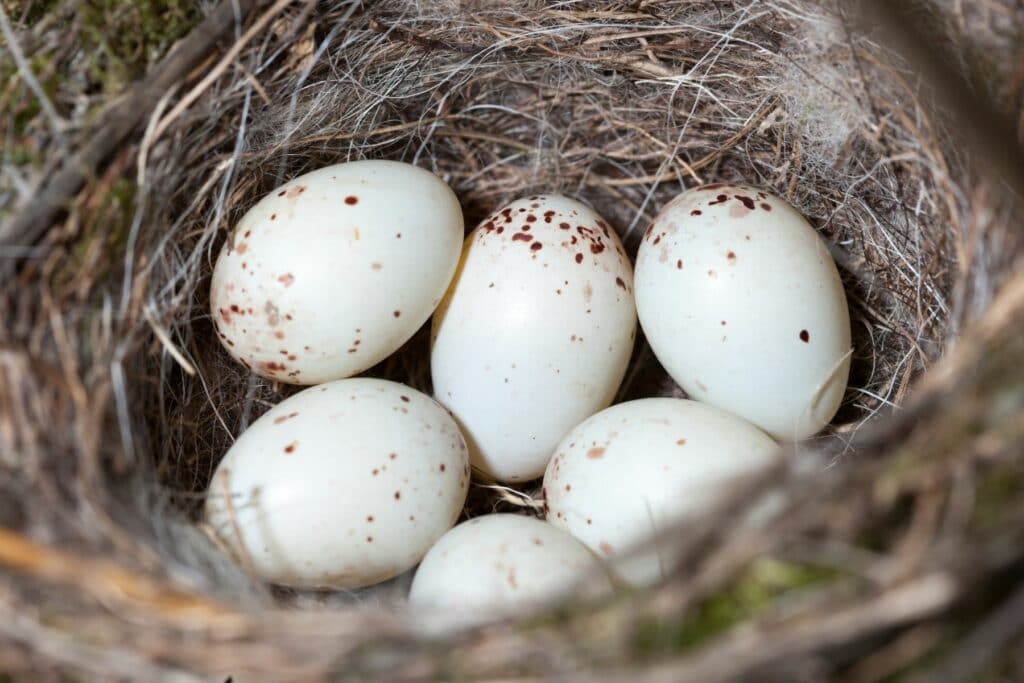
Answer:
(621, 109)
(621, 106)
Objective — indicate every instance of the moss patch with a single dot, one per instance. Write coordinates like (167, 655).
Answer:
(752, 595)
(123, 39)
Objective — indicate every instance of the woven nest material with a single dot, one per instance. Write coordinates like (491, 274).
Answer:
(898, 538)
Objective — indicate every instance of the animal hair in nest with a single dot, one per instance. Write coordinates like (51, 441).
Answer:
(622, 105)
(503, 103)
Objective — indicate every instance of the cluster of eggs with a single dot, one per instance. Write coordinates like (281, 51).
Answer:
(353, 481)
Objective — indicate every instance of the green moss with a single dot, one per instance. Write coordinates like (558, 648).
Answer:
(115, 214)
(750, 596)
(117, 42)
(23, 105)
(33, 13)
(123, 38)
(109, 224)
(998, 494)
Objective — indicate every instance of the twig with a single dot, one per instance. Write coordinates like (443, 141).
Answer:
(27, 75)
(221, 66)
(992, 135)
(165, 339)
(980, 647)
(106, 580)
(117, 124)
(751, 650)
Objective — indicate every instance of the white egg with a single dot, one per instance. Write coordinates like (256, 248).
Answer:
(535, 332)
(742, 303)
(632, 471)
(333, 271)
(500, 565)
(341, 485)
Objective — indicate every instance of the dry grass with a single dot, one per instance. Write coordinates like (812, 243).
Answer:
(899, 532)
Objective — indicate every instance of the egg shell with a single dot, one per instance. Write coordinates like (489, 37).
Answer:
(633, 470)
(742, 303)
(535, 333)
(341, 485)
(500, 565)
(333, 271)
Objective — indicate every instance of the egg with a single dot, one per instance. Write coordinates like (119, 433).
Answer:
(636, 469)
(742, 304)
(333, 271)
(342, 485)
(535, 332)
(501, 565)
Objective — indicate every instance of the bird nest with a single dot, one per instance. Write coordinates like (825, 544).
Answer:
(895, 534)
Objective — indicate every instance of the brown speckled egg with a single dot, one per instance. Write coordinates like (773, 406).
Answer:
(637, 468)
(742, 303)
(535, 332)
(498, 566)
(341, 485)
(333, 271)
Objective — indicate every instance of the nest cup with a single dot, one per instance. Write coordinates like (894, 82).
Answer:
(112, 440)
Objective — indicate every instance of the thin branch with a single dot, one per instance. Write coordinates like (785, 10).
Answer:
(25, 69)
(746, 651)
(221, 66)
(992, 135)
(117, 124)
(982, 646)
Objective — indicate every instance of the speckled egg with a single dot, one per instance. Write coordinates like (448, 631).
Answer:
(535, 332)
(637, 468)
(742, 303)
(500, 565)
(341, 485)
(333, 271)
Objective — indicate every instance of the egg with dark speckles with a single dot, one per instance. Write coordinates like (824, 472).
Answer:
(333, 271)
(633, 470)
(534, 333)
(742, 303)
(501, 565)
(342, 485)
